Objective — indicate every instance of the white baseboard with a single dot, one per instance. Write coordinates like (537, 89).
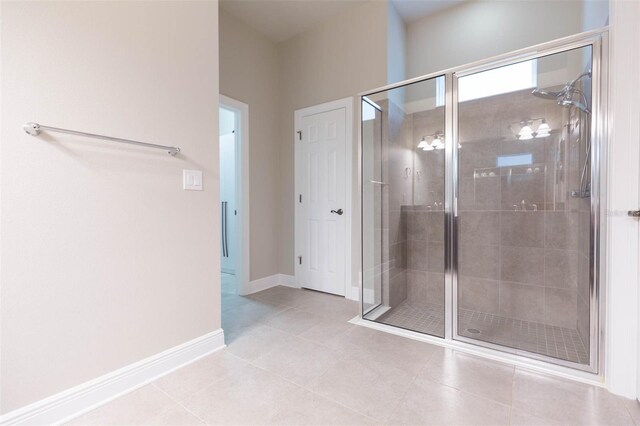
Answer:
(287, 280)
(271, 281)
(354, 294)
(80, 399)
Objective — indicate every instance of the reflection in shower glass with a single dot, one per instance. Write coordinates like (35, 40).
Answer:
(403, 207)
(523, 240)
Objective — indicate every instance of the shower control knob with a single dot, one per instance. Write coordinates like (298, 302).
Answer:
(634, 213)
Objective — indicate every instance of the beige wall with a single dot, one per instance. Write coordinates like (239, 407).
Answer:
(344, 56)
(105, 259)
(349, 53)
(481, 29)
(249, 73)
(396, 48)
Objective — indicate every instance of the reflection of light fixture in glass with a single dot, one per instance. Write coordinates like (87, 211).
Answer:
(526, 129)
(437, 142)
(525, 132)
(543, 130)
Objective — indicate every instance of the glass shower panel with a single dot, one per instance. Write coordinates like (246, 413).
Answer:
(403, 169)
(524, 205)
(371, 202)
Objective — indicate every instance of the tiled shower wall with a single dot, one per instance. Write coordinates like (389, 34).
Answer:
(397, 190)
(526, 260)
(519, 228)
(425, 215)
(580, 127)
(425, 256)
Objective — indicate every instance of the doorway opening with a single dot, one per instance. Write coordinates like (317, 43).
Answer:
(234, 196)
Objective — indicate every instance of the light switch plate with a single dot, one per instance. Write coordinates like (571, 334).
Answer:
(192, 180)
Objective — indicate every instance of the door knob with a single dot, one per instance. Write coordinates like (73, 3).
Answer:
(338, 212)
(634, 213)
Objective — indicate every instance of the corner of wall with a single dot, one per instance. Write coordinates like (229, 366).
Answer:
(342, 57)
(249, 72)
(396, 45)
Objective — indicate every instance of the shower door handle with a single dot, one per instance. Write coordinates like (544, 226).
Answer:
(634, 213)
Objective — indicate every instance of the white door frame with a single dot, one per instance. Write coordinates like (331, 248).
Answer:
(622, 296)
(347, 104)
(243, 264)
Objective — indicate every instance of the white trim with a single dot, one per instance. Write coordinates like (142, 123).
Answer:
(80, 399)
(483, 352)
(377, 312)
(243, 261)
(622, 298)
(271, 281)
(347, 104)
(354, 293)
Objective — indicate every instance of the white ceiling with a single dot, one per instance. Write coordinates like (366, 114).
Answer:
(411, 10)
(279, 20)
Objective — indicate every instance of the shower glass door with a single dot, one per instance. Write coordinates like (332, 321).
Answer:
(403, 222)
(523, 235)
(372, 217)
(481, 207)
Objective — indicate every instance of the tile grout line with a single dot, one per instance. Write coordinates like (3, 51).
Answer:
(413, 383)
(264, 323)
(403, 395)
(180, 404)
(308, 389)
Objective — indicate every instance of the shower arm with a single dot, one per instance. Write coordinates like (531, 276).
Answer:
(581, 76)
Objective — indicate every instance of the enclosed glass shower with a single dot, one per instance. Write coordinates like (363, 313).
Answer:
(480, 204)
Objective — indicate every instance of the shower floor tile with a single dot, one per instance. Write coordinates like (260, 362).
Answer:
(553, 341)
(557, 342)
(428, 319)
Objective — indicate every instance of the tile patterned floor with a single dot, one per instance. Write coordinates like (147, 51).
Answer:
(293, 359)
(228, 283)
(557, 342)
(427, 319)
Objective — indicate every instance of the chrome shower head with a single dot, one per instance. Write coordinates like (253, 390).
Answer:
(565, 96)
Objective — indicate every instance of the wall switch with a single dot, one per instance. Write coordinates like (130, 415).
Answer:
(192, 180)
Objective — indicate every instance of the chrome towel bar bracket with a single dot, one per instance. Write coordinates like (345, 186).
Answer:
(34, 129)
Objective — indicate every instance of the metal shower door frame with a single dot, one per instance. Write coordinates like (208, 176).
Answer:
(598, 40)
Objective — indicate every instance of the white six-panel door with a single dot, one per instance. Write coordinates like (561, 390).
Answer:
(321, 183)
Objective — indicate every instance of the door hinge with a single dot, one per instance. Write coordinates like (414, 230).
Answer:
(299, 132)
(300, 198)
(300, 260)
